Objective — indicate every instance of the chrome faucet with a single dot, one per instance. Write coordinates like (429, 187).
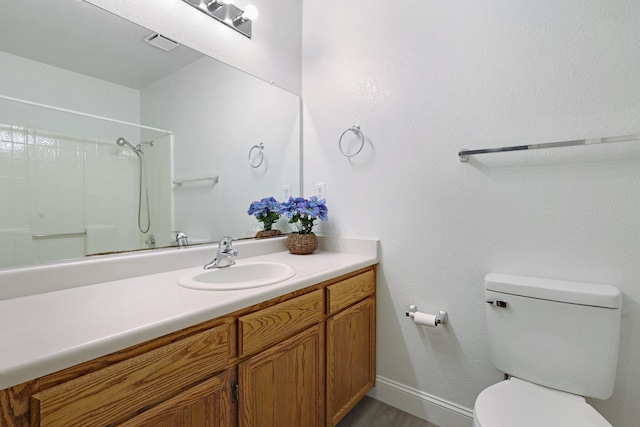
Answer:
(224, 257)
(181, 239)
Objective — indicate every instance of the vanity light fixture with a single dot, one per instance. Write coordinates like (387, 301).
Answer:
(213, 5)
(227, 13)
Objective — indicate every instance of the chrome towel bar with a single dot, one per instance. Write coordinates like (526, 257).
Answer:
(464, 153)
(179, 182)
(55, 236)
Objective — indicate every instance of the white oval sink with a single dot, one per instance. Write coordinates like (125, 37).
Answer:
(239, 276)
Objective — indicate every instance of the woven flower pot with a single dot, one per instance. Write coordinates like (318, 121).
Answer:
(302, 244)
(264, 234)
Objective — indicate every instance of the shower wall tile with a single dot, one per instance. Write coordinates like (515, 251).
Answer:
(19, 134)
(20, 202)
(5, 183)
(43, 186)
(21, 219)
(5, 132)
(57, 249)
(52, 183)
(6, 200)
(15, 247)
(90, 151)
(6, 148)
(6, 215)
(19, 167)
(21, 184)
(44, 170)
(6, 167)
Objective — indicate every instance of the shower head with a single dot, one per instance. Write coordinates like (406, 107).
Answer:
(122, 142)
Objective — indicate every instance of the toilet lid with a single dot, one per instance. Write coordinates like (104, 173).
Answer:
(517, 403)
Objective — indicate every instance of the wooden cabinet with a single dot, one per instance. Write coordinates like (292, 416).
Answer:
(350, 358)
(263, 328)
(208, 404)
(116, 393)
(283, 386)
(302, 359)
(350, 346)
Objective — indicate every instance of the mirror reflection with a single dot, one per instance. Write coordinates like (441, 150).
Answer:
(109, 143)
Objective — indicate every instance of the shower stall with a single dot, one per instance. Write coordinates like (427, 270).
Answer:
(80, 191)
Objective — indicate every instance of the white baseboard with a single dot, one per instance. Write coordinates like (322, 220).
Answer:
(420, 404)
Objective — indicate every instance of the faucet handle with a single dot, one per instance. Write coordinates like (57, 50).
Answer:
(181, 238)
(225, 242)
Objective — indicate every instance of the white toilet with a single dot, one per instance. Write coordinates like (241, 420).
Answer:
(559, 342)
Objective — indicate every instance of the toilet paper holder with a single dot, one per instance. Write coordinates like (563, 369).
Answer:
(441, 318)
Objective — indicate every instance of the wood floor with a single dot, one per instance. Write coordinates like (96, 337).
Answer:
(373, 413)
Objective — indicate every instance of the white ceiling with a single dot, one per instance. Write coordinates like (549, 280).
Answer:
(80, 37)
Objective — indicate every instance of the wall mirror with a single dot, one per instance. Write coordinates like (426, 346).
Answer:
(145, 138)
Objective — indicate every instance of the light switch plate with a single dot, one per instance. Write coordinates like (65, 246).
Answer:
(321, 190)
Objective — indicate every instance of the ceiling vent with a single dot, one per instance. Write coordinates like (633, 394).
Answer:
(161, 42)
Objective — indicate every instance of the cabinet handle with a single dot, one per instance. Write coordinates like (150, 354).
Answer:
(235, 391)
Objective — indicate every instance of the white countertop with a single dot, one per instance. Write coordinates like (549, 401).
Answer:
(46, 332)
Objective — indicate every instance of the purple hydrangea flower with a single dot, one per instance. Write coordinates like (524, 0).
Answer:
(266, 211)
(304, 212)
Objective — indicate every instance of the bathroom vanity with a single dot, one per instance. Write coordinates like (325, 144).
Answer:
(301, 352)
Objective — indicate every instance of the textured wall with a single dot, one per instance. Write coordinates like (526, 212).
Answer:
(273, 54)
(213, 132)
(425, 79)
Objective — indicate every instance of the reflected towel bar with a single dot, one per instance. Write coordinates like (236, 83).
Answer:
(464, 154)
(55, 236)
(179, 182)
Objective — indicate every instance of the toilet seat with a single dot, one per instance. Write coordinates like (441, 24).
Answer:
(518, 403)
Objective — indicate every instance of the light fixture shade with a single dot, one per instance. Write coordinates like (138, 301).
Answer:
(250, 13)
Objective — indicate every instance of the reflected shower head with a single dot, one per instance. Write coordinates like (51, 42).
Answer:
(122, 142)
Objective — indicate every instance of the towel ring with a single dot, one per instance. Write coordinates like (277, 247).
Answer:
(356, 130)
(256, 164)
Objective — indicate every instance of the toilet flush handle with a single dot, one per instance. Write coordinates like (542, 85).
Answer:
(498, 302)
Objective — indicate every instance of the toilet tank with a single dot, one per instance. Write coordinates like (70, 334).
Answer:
(559, 334)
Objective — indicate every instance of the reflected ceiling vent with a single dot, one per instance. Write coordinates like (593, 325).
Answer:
(227, 13)
(161, 42)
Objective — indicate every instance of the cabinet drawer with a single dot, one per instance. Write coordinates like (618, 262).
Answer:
(349, 291)
(266, 327)
(116, 393)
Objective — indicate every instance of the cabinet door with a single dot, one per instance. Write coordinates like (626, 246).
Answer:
(350, 358)
(283, 386)
(206, 405)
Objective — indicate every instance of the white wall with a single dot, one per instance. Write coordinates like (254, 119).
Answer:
(40, 83)
(272, 54)
(217, 114)
(425, 79)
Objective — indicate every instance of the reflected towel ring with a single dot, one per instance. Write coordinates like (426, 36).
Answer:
(256, 163)
(356, 130)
